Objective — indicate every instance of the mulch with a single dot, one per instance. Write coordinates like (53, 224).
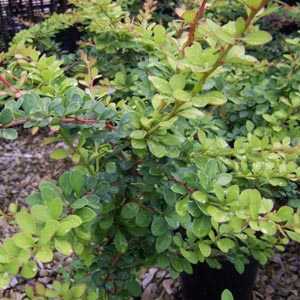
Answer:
(24, 163)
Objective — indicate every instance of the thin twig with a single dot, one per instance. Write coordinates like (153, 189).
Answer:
(13, 124)
(78, 120)
(10, 86)
(224, 51)
(199, 15)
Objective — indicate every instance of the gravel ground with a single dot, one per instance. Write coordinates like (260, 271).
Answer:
(25, 162)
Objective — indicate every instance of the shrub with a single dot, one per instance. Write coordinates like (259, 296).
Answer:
(157, 179)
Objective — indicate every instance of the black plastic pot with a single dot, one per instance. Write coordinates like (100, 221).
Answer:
(208, 284)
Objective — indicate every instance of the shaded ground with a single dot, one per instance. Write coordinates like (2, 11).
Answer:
(24, 163)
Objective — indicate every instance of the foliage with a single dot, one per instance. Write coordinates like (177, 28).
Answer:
(64, 291)
(169, 171)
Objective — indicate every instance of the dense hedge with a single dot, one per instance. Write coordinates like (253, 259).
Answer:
(185, 144)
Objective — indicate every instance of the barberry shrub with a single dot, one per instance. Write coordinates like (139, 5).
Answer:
(157, 180)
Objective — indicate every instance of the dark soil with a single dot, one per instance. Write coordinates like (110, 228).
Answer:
(25, 162)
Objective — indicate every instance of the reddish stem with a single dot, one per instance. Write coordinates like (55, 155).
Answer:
(194, 24)
(9, 86)
(69, 120)
(78, 120)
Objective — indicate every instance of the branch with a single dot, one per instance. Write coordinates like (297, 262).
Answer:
(199, 15)
(78, 120)
(70, 120)
(13, 124)
(9, 86)
(224, 51)
(183, 184)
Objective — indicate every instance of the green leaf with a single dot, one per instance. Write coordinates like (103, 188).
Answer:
(6, 116)
(106, 222)
(163, 242)
(294, 203)
(191, 113)
(220, 33)
(157, 101)
(58, 154)
(4, 280)
(77, 181)
(65, 184)
(219, 192)
(293, 235)
(285, 213)
(157, 149)
(78, 290)
(8, 133)
(189, 15)
(232, 193)
(86, 214)
(138, 134)
(177, 82)
(24, 256)
(182, 207)
(40, 289)
(80, 203)
(34, 199)
(143, 218)
(227, 295)
(29, 292)
(44, 254)
(161, 85)
(181, 95)
(29, 270)
(41, 213)
(56, 207)
(240, 24)
(23, 240)
(138, 144)
(201, 227)
(225, 245)
(210, 98)
(31, 103)
(160, 35)
(48, 231)
(255, 203)
(134, 288)
(258, 38)
(176, 264)
(68, 223)
(224, 179)
(130, 210)
(200, 196)
(173, 220)
(253, 4)
(268, 227)
(159, 226)
(178, 189)
(236, 224)
(217, 214)
(120, 242)
(278, 181)
(49, 191)
(63, 247)
(189, 255)
(172, 140)
(26, 222)
(205, 249)
(4, 256)
(168, 124)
